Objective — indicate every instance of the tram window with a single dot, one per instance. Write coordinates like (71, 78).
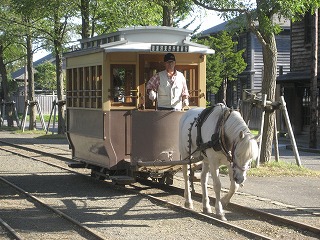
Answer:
(123, 84)
(84, 88)
(191, 73)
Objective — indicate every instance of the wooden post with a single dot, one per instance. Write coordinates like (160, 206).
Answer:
(275, 141)
(292, 139)
(3, 109)
(264, 101)
(41, 116)
(25, 113)
(52, 109)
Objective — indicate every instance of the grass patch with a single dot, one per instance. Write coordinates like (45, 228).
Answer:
(254, 132)
(277, 169)
(45, 117)
(39, 132)
(35, 131)
(52, 136)
(282, 168)
(6, 128)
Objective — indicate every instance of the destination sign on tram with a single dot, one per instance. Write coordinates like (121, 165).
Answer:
(169, 48)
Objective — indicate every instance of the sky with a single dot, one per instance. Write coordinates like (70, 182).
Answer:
(209, 20)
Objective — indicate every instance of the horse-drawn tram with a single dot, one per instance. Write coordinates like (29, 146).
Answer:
(112, 126)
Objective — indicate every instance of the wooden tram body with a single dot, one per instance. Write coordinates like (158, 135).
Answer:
(112, 126)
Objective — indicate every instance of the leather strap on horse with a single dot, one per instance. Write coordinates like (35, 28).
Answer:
(218, 140)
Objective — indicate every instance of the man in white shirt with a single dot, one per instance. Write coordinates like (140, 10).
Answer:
(169, 86)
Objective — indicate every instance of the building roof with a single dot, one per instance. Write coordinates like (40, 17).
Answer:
(232, 24)
(19, 74)
(145, 39)
(298, 76)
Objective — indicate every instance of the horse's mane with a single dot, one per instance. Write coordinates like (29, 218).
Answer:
(247, 148)
(235, 124)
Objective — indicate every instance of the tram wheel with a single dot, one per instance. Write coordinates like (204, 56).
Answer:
(167, 179)
(97, 175)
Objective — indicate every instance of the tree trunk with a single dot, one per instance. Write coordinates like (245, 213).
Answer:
(5, 94)
(31, 93)
(268, 87)
(167, 14)
(314, 84)
(85, 30)
(3, 72)
(224, 88)
(60, 88)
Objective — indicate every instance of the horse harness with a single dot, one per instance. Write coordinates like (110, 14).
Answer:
(218, 141)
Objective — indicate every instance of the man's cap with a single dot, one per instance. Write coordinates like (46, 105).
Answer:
(169, 57)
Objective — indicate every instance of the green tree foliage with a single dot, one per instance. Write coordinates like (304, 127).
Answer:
(45, 76)
(175, 11)
(226, 64)
(106, 16)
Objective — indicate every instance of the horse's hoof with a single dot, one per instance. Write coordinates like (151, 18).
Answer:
(222, 218)
(207, 210)
(188, 205)
(224, 202)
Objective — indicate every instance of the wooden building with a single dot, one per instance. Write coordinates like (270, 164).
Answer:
(295, 85)
(251, 78)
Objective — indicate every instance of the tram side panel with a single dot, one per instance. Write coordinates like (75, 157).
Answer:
(86, 135)
(117, 134)
(155, 136)
(100, 138)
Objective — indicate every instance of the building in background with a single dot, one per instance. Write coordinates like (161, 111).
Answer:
(295, 85)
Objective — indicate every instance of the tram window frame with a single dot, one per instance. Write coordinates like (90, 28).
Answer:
(190, 72)
(125, 93)
(84, 87)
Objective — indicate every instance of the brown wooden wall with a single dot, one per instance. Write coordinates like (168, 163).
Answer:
(300, 50)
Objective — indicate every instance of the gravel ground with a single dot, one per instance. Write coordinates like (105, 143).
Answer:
(117, 214)
(122, 216)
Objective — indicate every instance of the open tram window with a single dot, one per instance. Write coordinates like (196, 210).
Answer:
(123, 90)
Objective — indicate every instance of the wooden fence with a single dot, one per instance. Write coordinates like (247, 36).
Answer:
(45, 102)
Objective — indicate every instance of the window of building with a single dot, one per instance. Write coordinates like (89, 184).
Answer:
(84, 87)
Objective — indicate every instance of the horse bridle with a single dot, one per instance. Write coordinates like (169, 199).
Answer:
(233, 163)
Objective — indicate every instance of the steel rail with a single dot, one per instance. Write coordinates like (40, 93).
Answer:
(244, 209)
(58, 212)
(10, 230)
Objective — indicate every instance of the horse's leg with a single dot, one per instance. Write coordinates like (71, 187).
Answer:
(204, 185)
(214, 169)
(187, 193)
(233, 188)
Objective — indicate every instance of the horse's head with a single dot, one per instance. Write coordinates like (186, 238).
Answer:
(245, 150)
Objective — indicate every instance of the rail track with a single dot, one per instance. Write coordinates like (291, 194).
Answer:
(246, 222)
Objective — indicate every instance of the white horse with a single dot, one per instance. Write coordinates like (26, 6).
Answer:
(236, 149)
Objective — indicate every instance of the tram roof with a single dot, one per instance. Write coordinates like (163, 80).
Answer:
(147, 39)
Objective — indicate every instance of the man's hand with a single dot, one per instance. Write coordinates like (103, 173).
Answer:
(152, 95)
